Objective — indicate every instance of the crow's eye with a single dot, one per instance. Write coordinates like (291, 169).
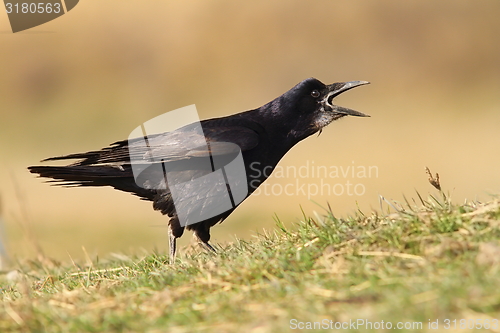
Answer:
(315, 93)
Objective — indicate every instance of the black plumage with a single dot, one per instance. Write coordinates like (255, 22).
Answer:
(263, 135)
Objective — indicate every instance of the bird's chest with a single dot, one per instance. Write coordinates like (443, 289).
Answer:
(260, 163)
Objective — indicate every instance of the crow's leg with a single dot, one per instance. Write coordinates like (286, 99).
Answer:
(207, 245)
(173, 245)
(202, 233)
(175, 230)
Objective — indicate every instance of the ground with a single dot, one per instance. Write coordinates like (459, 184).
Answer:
(425, 265)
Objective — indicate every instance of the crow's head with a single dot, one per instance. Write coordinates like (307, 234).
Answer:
(308, 107)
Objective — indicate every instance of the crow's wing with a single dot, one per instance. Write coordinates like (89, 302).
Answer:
(191, 142)
(201, 172)
(182, 144)
(184, 170)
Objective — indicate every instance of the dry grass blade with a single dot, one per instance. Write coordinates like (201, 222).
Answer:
(433, 180)
(391, 254)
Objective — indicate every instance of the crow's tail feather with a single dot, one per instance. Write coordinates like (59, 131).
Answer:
(76, 174)
(70, 176)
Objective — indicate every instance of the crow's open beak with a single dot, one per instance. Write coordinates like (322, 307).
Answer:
(338, 88)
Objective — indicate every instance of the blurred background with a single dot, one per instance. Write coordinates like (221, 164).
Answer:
(88, 78)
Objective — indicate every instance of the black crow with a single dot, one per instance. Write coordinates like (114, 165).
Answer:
(261, 137)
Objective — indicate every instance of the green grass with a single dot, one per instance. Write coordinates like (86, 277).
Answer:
(420, 261)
